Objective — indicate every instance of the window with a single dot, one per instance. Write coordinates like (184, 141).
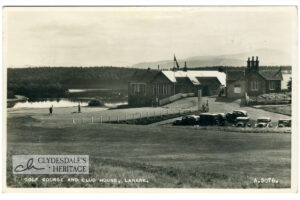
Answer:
(254, 85)
(165, 89)
(132, 89)
(237, 89)
(138, 89)
(142, 88)
(272, 85)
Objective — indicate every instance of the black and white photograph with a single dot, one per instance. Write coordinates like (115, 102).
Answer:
(150, 97)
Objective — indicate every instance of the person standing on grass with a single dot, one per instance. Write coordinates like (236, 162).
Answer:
(79, 108)
(51, 110)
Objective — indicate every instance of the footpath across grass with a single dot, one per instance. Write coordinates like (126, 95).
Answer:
(167, 157)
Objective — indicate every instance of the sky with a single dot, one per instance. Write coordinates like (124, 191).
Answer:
(123, 36)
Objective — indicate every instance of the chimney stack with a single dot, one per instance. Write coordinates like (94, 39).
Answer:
(256, 63)
(185, 67)
(248, 63)
(252, 64)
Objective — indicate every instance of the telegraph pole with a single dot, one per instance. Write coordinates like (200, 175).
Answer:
(199, 99)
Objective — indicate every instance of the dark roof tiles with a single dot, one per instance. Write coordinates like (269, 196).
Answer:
(235, 75)
(271, 74)
(144, 76)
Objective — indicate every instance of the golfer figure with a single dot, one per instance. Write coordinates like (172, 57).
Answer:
(51, 110)
(78, 108)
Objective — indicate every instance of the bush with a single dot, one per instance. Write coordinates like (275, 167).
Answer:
(95, 103)
(10, 94)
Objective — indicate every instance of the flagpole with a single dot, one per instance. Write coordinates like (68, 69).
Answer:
(174, 58)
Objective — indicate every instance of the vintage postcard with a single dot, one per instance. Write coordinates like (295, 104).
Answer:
(154, 99)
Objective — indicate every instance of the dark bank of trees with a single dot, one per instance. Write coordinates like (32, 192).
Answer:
(52, 82)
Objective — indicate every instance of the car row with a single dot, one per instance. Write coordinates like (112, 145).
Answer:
(238, 118)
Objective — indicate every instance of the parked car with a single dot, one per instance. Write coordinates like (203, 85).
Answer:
(231, 117)
(221, 119)
(263, 122)
(187, 120)
(284, 123)
(177, 122)
(242, 122)
(190, 120)
(212, 119)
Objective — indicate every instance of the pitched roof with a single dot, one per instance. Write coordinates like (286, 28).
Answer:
(193, 74)
(271, 74)
(235, 75)
(144, 76)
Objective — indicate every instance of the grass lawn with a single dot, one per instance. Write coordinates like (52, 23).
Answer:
(281, 109)
(166, 157)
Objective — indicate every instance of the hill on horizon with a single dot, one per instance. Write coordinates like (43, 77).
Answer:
(267, 57)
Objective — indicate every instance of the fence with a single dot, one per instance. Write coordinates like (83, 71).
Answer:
(159, 115)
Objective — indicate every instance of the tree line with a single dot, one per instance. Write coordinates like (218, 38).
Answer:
(52, 82)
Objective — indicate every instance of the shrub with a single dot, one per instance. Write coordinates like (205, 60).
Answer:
(10, 94)
(95, 103)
